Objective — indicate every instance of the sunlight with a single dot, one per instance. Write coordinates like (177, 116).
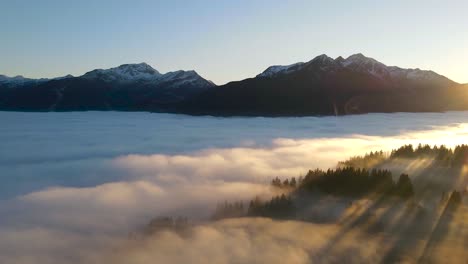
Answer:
(448, 136)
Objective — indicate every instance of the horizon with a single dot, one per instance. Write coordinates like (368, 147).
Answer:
(261, 71)
(224, 41)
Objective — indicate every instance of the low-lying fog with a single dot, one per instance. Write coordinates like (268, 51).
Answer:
(75, 185)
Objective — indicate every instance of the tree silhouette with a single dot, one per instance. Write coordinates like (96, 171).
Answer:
(404, 187)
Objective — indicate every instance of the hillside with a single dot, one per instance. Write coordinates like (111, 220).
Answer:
(326, 86)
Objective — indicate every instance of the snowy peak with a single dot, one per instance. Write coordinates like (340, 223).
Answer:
(145, 74)
(175, 75)
(362, 64)
(323, 59)
(322, 63)
(417, 75)
(360, 60)
(18, 78)
(124, 72)
(19, 81)
(279, 69)
(139, 74)
(181, 78)
(137, 69)
(340, 59)
(272, 71)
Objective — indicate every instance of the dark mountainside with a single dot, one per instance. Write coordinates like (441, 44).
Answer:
(322, 86)
(326, 86)
(129, 87)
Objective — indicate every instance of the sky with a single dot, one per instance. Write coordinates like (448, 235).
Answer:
(226, 40)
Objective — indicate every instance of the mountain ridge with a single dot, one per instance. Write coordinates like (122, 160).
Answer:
(128, 87)
(322, 86)
(357, 62)
(327, 86)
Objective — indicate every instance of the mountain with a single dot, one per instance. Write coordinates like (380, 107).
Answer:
(321, 86)
(126, 87)
(327, 86)
(10, 82)
(125, 73)
(18, 81)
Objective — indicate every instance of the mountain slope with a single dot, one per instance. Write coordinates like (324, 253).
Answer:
(18, 81)
(321, 86)
(126, 87)
(326, 86)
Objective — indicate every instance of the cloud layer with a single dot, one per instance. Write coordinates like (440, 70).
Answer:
(80, 220)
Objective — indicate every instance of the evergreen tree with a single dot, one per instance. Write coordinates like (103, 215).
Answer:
(404, 187)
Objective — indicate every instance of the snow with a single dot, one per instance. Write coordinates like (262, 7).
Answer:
(20, 80)
(323, 59)
(280, 69)
(178, 78)
(124, 72)
(143, 72)
(359, 63)
(416, 74)
(179, 75)
(359, 59)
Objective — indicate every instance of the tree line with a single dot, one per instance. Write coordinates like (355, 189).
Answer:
(356, 182)
(351, 178)
(441, 155)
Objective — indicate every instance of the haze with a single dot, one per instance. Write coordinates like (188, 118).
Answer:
(98, 177)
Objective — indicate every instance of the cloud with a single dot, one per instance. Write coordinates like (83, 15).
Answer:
(256, 240)
(284, 158)
(53, 246)
(93, 219)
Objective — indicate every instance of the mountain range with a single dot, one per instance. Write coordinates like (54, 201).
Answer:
(321, 86)
(128, 87)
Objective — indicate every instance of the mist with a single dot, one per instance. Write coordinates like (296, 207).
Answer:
(98, 178)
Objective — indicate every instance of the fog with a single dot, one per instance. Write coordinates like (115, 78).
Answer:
(74, 185)
(257, 240)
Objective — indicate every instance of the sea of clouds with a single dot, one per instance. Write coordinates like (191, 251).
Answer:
(74, 185)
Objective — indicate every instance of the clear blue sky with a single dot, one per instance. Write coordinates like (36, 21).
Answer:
(231, 39)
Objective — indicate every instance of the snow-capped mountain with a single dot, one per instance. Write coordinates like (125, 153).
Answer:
(145, 74)
(327, 86)
(180, 78)
(17, 81)
(280, 69)
(321, 86)
(124, 73)
(359, 63)
(277, 70)
(126, 87)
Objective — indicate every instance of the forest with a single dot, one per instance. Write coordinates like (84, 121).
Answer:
(355, 178)
(441, 155)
